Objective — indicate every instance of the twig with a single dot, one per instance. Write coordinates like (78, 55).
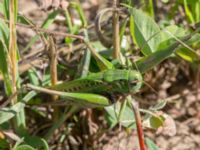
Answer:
(53, 59)
(53, 69)
(47, 31)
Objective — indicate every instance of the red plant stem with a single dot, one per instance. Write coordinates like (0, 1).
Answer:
(139, 126)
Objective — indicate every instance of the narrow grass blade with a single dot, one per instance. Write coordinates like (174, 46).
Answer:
(4, 67)
(6, 9)
(188, 12)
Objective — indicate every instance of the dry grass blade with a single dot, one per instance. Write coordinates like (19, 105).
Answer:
(116, 37)
(13, 49)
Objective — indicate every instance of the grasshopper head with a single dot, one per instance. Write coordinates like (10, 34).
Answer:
(135, 81)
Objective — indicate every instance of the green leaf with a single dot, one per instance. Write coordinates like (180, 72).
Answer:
(1, 7)
(157, 57)
(146, 63)
(173, 33)
(111, 117)
(4, 40)
(4, 145)
(33, 77)
(156, 121)
(36, 142)
(150, 144)
(195, 39)
(4, 66)
(120, 113)
(45, 144)
(6, 9)
(9, 112)
(24, 147)
(161, 104)
(188, 12)
(145, 31)
(188, 55)
(169, 35)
